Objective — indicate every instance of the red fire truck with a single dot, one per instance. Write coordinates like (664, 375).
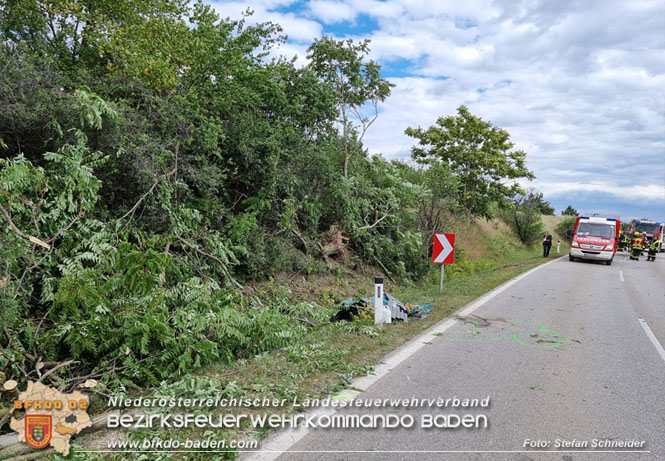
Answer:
(595, 238)
(653, 230)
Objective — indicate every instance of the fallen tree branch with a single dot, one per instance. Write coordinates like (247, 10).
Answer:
(9, 337)
(67, 227)
(307, 321)
(36, 240)
(370, 226)
(6, 414)
(78, 379)
(53, 370)
(211, 256)
(136, 205)
(301, 238)
(384, 269)
(11, 223)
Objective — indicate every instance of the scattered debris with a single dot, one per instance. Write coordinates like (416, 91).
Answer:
(419, 311)
(397, 308)
(351, 309)
(364, 308)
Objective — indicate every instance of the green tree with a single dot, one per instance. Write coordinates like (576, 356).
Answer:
(569, 211)
(356, 84)
(136, 36)
(479, 154)
(543, 206)
(524, 217)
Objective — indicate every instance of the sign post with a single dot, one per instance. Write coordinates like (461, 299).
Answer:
(443, 252)
(441, 279)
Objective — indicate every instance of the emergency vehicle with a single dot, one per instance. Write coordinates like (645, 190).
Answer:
(652, 229)
(595, 238)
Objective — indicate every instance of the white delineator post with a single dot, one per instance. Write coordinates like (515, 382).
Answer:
(441, 280)
(378, 300)
(558, 246)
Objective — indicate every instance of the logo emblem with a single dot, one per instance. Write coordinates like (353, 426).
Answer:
(38, 430)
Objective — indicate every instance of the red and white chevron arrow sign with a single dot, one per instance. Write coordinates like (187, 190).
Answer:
(444, 249)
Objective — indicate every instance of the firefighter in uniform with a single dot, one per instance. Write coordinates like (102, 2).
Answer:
(653, 249)
(624, 241)
(636, 247)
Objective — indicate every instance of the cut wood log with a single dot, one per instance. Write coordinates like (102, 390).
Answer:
(10, 389)
(88, 384)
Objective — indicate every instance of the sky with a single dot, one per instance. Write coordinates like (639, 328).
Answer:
(579, 85)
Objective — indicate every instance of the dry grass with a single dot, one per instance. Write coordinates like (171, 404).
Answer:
(551, 222)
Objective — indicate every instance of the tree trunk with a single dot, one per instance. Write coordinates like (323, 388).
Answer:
(345, 135)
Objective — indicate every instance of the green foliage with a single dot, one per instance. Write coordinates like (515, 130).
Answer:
(501, 246)
(543, 206)
(383, 211)
(114, 300)
(355, 83)
(462, 267)
(479, 154)
(565, 225)
(152, 158)
(524, 217)
(569, 211)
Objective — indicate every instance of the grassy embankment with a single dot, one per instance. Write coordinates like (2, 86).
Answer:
(328, 358)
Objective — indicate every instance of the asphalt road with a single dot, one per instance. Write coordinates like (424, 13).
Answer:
(564, 354)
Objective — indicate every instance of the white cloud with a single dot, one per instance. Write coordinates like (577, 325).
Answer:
(640, 192)
(331, 12)
(579, 85)
(297, 28)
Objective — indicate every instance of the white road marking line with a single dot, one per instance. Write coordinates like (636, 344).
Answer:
(621, 275)
(277, 444)
(653, 338)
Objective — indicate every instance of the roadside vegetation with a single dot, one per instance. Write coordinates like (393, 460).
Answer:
(328, 356)
(158, 166)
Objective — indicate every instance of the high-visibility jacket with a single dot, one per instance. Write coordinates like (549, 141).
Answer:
(638, 243)
(655, 245)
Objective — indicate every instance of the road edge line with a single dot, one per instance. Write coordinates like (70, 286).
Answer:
(652, 337)
(281, 441)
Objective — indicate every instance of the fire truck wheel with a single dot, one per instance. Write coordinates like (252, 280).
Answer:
(571, 258)
(609, 262)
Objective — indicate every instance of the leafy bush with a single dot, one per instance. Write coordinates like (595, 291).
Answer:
(523, 217)
(126, 305)
(564, 226)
